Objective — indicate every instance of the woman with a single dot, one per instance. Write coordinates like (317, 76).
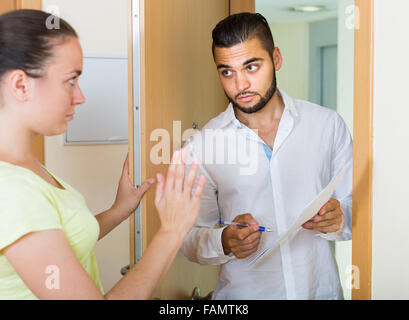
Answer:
(47, 233)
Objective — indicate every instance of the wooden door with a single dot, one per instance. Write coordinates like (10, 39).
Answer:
(8, 5)
(28, 4)
(237, 6)
(179, 85)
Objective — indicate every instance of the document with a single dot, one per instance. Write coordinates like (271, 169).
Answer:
(309, 212)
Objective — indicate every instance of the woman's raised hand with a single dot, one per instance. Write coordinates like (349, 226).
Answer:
(178, 208)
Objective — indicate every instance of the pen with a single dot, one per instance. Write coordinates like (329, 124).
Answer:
(264, 229)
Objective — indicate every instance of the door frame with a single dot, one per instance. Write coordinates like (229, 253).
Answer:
(38, 143)
(29, 4)
(363, 149)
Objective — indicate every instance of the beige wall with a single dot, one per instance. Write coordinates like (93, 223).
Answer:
(390, 233)
(95, 170)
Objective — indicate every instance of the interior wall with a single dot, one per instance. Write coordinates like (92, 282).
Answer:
(390, 229)
(95, 169)
(292, 39)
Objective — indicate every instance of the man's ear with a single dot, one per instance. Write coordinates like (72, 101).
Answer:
(19, 84)
(278, 59)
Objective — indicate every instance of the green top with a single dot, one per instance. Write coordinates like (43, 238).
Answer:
(27, 204)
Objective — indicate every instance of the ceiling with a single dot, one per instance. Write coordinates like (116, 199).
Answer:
(279, 11)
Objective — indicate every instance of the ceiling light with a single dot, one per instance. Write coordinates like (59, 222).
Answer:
(308, 9)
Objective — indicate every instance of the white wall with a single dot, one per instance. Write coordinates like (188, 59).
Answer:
(390, 238)
(95, 170)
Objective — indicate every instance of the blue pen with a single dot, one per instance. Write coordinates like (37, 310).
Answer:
(264, 229)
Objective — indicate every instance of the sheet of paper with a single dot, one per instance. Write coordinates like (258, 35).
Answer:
(309, 212)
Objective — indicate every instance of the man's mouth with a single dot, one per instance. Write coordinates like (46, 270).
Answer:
(246, 98)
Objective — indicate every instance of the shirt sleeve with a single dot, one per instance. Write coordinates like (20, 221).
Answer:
(24, 208)
(203, 244)
(341, 155)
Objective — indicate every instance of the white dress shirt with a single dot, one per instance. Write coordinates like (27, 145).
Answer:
(311, 146)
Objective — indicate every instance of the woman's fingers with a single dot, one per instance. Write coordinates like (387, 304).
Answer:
(170, 178)
(180, 171)
(143, 188)
(125, 169)
(191, 176)
(199, 188)
(179, 202)
(160, 187)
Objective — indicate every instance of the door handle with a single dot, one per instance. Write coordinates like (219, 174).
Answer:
(124, 270)
(196, 295)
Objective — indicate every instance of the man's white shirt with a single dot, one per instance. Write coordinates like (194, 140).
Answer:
(245, 176)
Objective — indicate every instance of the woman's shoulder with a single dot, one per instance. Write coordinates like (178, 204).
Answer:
(25, 206)
(12, 175)
(18, 183)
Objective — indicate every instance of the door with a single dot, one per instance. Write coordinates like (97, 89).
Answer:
(8, 5)
(177, 88)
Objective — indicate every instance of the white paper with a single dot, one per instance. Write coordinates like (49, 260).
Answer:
(309, 212)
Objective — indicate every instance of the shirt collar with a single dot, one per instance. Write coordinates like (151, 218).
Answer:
(228, 116)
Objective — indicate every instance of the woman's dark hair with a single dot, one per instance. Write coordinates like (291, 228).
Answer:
(241, 27)
(27, 39)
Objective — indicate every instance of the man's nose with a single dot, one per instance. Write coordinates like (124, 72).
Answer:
(242, 83)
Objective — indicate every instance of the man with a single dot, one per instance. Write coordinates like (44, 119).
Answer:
(300, 147)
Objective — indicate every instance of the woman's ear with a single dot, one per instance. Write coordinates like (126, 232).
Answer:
(18, 83)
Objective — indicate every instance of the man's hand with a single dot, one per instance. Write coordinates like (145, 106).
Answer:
(328, 219)
(240, 241)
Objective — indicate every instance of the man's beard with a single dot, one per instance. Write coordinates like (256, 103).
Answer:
(263, 100)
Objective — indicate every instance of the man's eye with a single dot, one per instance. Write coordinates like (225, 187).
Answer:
(226, 73)
(252, 67)
(72, 82)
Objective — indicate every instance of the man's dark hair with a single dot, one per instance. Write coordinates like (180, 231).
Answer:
(241, 27)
